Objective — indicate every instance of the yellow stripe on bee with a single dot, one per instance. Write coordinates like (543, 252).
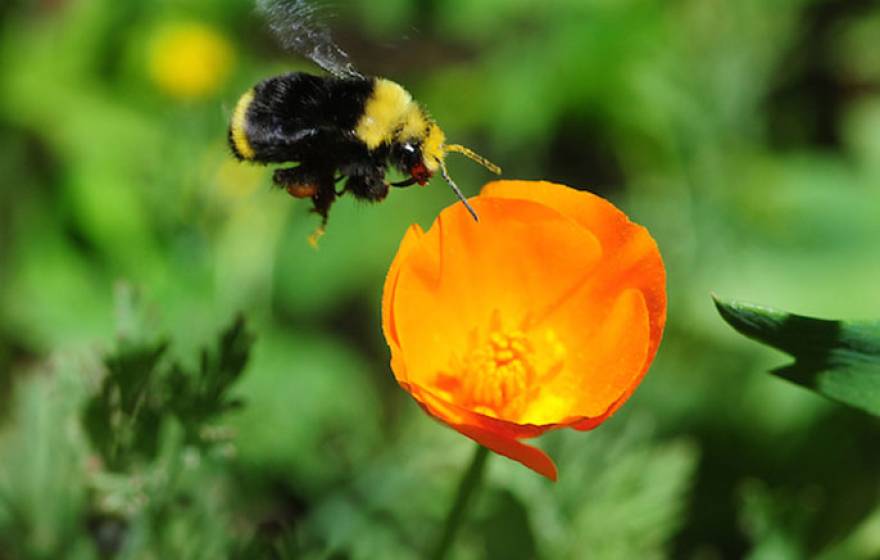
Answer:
(237, 126)
(433, 149)
(415, 123)
(384, 111)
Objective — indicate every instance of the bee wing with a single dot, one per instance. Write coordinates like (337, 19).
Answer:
(299, 27)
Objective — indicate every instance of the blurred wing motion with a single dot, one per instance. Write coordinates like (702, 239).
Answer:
(298, 26)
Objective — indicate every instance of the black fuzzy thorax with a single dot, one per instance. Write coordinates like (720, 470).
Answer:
(300, 117)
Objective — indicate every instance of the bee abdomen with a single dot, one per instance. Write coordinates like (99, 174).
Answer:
(238, 138)
(293, 116)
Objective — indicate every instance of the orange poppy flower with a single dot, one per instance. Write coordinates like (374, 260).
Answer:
(545, 314)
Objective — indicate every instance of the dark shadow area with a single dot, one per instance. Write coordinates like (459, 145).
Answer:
(580, 155)
(804, 107)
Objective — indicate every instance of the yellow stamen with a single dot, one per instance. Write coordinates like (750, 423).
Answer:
(498, 374)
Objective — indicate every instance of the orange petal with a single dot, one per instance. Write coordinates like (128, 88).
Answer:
(389, 329)
(451, 413)
(632, 258)
(520, 257)
(606, 347)
(530, 456)
(497, 435)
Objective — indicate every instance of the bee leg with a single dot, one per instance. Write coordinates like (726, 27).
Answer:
(405, 183)
(370, 187)
(322, 200)
(297, 181)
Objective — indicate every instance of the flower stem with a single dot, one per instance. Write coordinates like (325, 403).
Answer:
(469, 483)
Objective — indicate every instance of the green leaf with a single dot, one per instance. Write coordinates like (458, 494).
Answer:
(122, 420)
(838, 359)
(198, 398)
(141, 391)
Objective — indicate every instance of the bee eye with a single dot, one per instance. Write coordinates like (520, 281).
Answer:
(410, 154)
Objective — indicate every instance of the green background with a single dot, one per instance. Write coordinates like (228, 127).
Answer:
(744, 134)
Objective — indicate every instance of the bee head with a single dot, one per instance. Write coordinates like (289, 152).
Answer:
(408, 157)
(420, 158)
(435, 148)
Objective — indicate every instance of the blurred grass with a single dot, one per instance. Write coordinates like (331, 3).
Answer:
(743, 134)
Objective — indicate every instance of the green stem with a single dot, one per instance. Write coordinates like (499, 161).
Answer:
(469, 483)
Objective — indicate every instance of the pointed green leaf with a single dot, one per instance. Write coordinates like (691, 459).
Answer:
(838, 359)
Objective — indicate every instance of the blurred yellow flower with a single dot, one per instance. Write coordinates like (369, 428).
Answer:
(190, 60)
(234, 181)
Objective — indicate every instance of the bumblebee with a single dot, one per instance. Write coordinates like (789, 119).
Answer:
(339, 128)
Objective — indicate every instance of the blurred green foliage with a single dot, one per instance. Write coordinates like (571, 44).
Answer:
(745, 135)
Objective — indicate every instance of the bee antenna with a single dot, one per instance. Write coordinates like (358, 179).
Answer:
(455, 189)
(474, 156)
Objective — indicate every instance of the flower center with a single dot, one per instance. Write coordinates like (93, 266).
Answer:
(505, 373)
(496, 375)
